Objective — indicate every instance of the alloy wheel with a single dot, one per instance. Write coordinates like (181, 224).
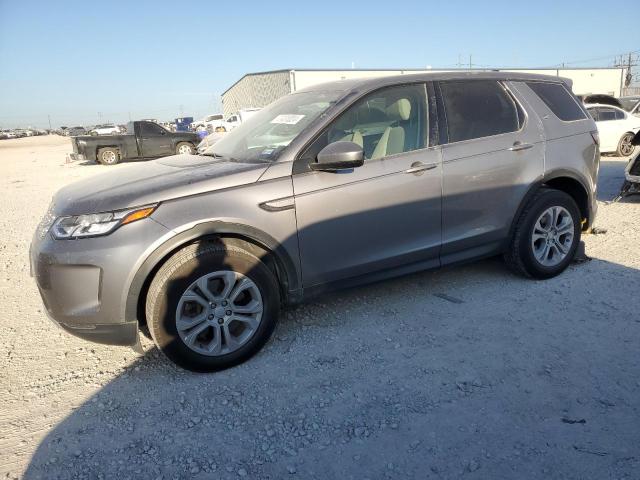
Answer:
(219, 313)
(553, 236)
(626, 147)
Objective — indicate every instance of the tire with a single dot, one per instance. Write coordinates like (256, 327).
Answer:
(625, 148)
(184, 148)
(179, 279)
(108, 156)
(524, 247)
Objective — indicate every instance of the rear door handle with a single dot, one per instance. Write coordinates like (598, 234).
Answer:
(517, 146)
(417, 167)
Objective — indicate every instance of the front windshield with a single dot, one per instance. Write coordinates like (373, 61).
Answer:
(267, 133)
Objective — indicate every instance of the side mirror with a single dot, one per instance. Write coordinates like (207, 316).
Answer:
(339, 156)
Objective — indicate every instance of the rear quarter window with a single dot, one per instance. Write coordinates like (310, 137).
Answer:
(558, 99)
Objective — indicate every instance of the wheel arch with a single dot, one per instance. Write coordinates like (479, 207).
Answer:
(255, 241)
(565, 181)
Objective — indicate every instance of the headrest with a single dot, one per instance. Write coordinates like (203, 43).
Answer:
(400, 109)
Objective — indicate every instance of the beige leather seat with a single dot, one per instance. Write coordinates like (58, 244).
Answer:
(346, 124)
(392, 140)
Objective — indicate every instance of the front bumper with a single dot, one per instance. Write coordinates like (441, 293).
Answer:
(84, 283)
(73, 157)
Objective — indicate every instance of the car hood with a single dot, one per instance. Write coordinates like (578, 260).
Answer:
(154, 181)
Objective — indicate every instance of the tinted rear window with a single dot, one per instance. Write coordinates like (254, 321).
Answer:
(558, 99)
(479, 108)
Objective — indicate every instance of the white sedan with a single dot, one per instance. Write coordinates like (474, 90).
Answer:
(616, 128)
(105, 130)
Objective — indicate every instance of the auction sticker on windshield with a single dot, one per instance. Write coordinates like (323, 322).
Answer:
(287, 118)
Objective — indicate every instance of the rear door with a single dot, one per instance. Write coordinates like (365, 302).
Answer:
(382, 215)
(492, 152)
(155, 141)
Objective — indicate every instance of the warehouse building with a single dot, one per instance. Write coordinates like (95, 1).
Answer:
(260, 89)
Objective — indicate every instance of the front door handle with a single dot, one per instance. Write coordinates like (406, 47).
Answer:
(417, 167)
(517, 146)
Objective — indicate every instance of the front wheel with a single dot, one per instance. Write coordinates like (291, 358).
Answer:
(625, 147)
(211, 307)
(546, 235)
(184, 148)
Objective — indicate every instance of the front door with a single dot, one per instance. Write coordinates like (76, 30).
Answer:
(155, 141)
(381, 215)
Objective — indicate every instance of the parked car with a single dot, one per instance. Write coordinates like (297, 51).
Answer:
(631, 104)
(602, 99)
(615, 127)
(76, 131)
(105, 130)
(7, 134)
(143, 140)
(208, 141)
(236, 119)
(631, 184)
(378, 178)
(210, 123)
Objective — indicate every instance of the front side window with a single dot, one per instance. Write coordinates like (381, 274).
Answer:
(384, 123)
(558, 99)
(151, 129)
(479, 108)
(594, 113)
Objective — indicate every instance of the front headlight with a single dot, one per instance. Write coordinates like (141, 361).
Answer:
(96, 224)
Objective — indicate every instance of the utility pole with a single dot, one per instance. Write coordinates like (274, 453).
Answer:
(470, 64)
(630, 62)
(49, 118)
(459, 61)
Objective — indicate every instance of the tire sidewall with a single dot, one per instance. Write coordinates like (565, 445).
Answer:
(180, 145)
(621, 142)
(551, 198)
(162, 320)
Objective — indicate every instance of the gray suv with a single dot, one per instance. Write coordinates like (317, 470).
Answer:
(333, 186)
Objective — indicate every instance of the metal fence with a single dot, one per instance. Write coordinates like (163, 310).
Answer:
(627, 91)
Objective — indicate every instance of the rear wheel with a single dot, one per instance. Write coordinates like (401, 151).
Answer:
(625, 147)
(546, 236)
(108, 156)
(184, 148)
(211, 307)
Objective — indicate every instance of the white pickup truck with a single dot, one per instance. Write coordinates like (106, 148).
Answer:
(210, 123)
(237, 118)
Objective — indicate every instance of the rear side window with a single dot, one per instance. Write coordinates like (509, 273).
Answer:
(558, 99)
(479, 108)
(606, 114)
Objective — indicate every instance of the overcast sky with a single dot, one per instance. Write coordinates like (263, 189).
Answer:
(88, 62)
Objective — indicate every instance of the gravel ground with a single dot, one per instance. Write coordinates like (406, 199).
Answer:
(466, 372)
